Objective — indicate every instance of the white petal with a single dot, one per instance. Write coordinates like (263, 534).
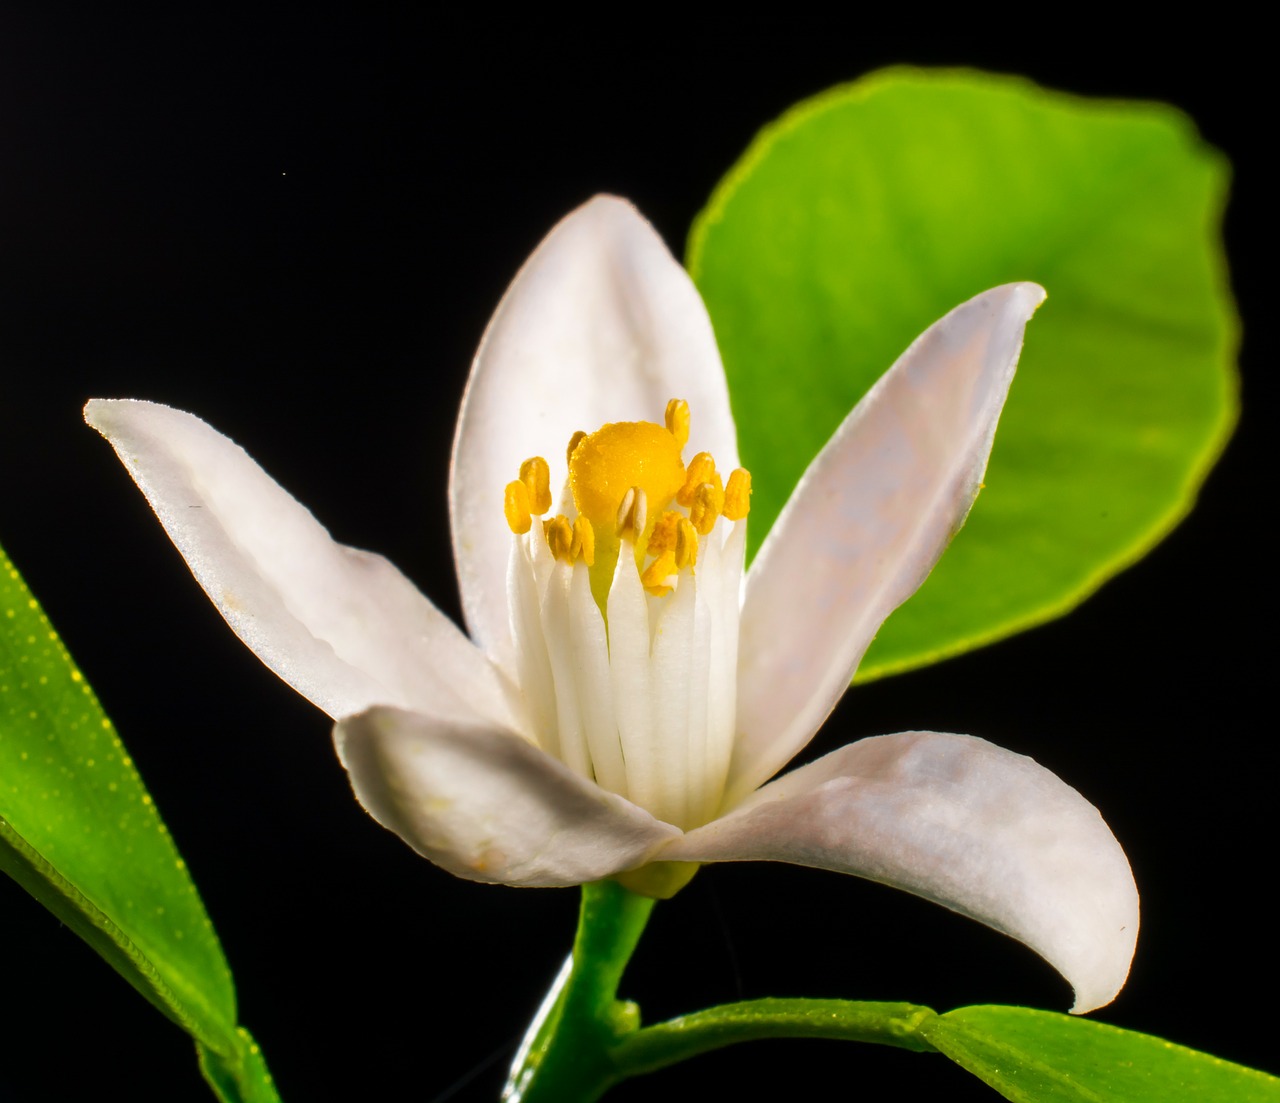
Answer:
(867, 522)
(343, 627)
(487, 805)
(601, 324)
(959, 821)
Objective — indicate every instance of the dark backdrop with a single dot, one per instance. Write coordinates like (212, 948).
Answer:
(297, 228)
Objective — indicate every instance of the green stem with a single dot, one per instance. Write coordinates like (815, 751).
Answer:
(656, 1047)
(584, 1040)
(566, 1056)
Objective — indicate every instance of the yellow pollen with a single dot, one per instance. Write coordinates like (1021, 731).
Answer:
(560, 538)
(535, 474)
(737, 495)
(702, 469)
(656, 576)
(663, 537)
(708, 501)
(677, 419)
(578, 437)
(673, 532)
(515, 507)
(620, 456)
(584, 541)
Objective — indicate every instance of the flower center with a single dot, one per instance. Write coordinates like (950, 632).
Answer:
(616, 458)
(625, 614)
(622, 479)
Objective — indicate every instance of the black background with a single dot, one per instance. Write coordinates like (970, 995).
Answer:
(296, 225)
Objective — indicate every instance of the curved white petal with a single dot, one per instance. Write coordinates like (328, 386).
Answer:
(486, 805)
(343, 627)
(601, 324)
(981, 830)
(867, 522)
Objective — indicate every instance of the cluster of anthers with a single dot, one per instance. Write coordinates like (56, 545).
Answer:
(625, 617)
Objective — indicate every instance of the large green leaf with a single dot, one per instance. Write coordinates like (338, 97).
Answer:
(865, 214)
(1043, 1057)
(79, 831)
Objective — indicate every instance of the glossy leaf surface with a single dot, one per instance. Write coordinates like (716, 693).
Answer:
(79, 831)
(1034, 1056)
(864, 214)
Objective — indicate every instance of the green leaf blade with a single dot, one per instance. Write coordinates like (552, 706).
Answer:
(862, 216)
(79, 831)
(1034, 1056)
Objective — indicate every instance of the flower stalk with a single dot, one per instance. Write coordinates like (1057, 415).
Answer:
(568, 1054)
(584, 1039)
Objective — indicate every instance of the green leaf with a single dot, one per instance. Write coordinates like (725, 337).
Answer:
(1043, 1057)
(79, 831)
(865, 214)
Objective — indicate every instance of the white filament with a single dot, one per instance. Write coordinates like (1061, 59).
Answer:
(645, 705)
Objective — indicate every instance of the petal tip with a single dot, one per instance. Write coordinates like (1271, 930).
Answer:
(1031, 295)
(96, 410)
(1109, 975)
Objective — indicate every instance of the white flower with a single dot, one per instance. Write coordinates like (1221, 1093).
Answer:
(617, 707)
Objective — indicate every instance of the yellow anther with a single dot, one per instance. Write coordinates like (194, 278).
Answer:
(624, 509)
(633, 512)
(677, 419)
(702, 469)
(656, 576)
(584, 541)
(707, 504)
(515, 506)
(560, 538)
(737, 495)
(686, 544)
(578, 437)
(535, 474)
(618, 457)
(663, 537)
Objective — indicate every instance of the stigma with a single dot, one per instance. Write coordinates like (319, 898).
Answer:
(624, 611)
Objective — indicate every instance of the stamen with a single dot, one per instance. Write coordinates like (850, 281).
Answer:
(677, 419)
(633, 513)
(674, 546)
(630, 670)
(536, 475)
(701, 469)
(737, 495)
(515, 507)
(686, 544)
(560, 538)
(656, 578)
(707, 504)
(624, 510)
(640, 515)
(663, 537)
(584, 541)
